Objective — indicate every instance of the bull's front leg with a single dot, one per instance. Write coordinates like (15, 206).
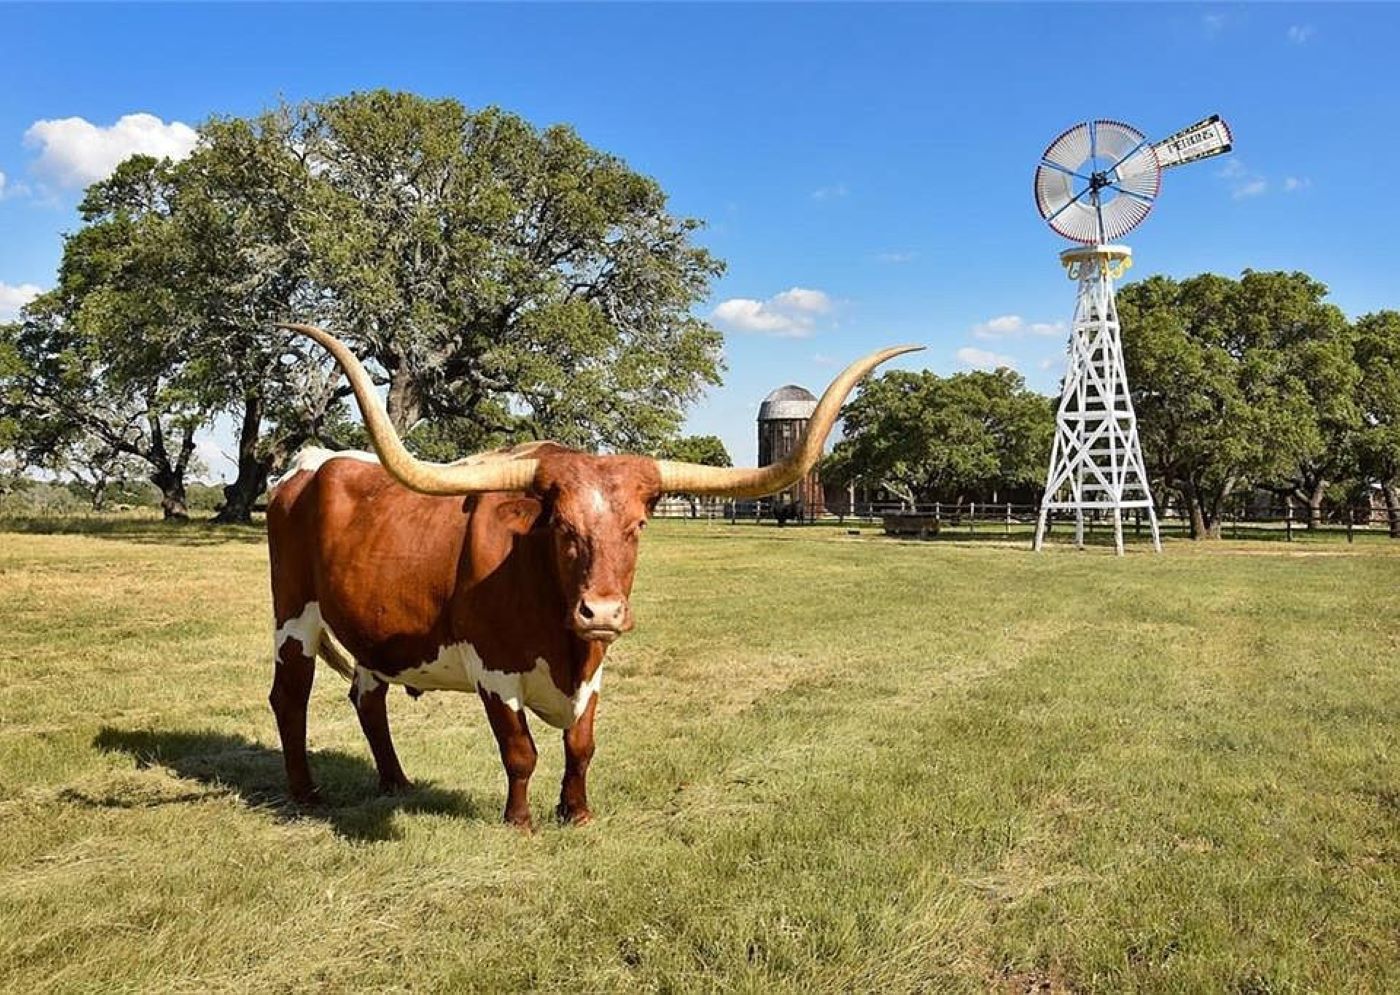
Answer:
(578, 751)
(517, 755)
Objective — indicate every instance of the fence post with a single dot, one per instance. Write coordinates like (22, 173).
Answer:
(938, 511)
(1351, 522)
(1008, 518)
(971, 517)
(1288, 519)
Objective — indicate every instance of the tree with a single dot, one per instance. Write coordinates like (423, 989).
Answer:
(237, 214)
(946, 439)
(707, 450)
(95, 467)
(104, 354)
(1217, 410)
(1286, 313)
(517, 280)
(1376, 440)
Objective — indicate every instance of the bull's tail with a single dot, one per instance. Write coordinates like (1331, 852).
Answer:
(335, 656)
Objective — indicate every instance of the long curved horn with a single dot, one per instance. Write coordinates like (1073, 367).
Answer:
(407, 469)
(692, 478)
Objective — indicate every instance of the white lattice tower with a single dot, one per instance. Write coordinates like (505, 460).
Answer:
(1096, 460)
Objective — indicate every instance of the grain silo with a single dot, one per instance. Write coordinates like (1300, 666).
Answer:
(781, 418)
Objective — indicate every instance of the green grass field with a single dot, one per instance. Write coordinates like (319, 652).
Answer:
(826, 763)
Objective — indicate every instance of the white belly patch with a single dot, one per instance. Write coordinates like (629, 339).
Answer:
(459, 668)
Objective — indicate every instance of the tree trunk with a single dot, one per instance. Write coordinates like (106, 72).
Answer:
(1392, 507)
(173, 506)
(1195, 512)
(1312, 500)
(402, 401)
(242, 493)
(99, 493)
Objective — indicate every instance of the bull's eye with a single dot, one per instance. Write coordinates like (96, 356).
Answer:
(570, 540)
(641, 525)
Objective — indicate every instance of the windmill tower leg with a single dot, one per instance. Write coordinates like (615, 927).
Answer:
(1096, 456)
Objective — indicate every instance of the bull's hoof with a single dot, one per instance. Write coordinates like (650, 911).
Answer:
(308, 796)
(520, 821)
(580, 816)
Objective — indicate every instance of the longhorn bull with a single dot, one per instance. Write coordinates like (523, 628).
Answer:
(507, 574)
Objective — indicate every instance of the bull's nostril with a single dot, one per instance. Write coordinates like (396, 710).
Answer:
(584, 611)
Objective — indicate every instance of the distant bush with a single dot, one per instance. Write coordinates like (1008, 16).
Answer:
(37, 497)
(21, 496)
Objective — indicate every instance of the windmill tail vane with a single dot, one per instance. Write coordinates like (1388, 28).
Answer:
(1200, 141)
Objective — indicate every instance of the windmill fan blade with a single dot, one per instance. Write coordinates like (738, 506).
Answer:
(1071, 149)
(1116, 140)
(1097, 181)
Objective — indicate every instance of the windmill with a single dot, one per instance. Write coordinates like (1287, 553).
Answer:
(1096, 183)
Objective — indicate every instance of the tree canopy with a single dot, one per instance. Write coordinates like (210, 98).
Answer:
(1238, 384)
(512, 277)
(945, 438)
(707, 450)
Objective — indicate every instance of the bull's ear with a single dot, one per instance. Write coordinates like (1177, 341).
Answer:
(519, 514)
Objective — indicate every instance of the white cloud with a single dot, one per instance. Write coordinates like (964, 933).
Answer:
(1013, 326)
(897, 257)
(1244, 182)
(9, 188)
(12, 298)
(1250, 188)
(983, 359)
(1299, 34)
(791, 314)
(1213, 24)
(74, 152)
(833, 192)
(802, 299)
(1050, 362)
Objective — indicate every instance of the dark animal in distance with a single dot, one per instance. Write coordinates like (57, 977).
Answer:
(507, 574)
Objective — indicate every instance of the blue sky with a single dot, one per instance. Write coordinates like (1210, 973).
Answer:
(876, 159)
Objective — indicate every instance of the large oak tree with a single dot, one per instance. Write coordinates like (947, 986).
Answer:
(515, 280)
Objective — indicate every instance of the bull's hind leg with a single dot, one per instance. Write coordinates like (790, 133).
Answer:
(369, 696)
(295, 652)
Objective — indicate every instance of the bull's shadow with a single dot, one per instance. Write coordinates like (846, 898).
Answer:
(351, 804)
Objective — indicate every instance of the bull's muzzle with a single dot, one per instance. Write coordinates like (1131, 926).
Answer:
(601, 619)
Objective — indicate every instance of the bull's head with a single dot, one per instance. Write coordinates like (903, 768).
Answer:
(594, 506)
